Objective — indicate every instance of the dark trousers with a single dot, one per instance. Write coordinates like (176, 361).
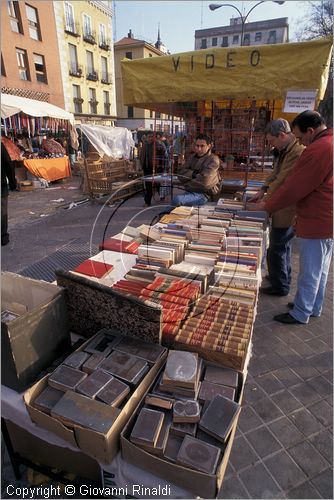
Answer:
(4, 220)
(148, 192)
(279, 258)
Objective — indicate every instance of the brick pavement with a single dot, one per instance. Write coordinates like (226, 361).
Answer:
(283, 445)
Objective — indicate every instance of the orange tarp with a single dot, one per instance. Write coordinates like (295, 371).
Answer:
(50, 169)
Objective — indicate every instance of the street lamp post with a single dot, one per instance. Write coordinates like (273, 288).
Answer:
(214, 6)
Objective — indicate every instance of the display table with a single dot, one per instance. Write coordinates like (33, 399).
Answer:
(39, 445)
(50, 169)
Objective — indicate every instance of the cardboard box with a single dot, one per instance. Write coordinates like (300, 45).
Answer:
(92, 306)
(199, 483)
(38, 451)
(102, 447)
(38, 335)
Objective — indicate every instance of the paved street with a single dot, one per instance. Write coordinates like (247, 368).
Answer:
(283, 445)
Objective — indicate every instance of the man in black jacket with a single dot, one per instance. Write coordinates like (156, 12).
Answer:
(147, 156)
(7, 180)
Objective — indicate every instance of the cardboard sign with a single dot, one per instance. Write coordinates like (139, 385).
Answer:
(297, 101)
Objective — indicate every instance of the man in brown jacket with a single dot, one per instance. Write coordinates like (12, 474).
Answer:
(200, 175)
(279, 135)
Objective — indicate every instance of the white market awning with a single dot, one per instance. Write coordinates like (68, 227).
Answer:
(12, 104)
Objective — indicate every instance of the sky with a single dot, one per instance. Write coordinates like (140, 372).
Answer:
(179, 19)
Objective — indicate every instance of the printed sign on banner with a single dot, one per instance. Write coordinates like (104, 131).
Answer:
(297, 101)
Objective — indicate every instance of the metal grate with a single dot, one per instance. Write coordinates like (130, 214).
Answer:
(66, 258)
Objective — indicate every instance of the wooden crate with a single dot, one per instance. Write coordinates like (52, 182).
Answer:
(101, 175)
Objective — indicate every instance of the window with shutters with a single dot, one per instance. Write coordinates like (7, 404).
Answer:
(40, 68)
(106, 102)
(34, 28)
(22, 62)
(14, 15)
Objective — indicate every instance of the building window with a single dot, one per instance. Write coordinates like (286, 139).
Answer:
(102, 36)
(3, 71)
(106, 102)
(258, 36)
(246, 39)
(75, 70)
(203, 43)
(235, 39)
(69, 19)
(91, 73)
(104, 70)
(150, 55)
(225, 41)
(130, 111)
(15, 18)
(40, 68)
(214, 42)
(34, 29)
(128, 55)
(272, 36)
(87, 25)
(22, 62)
(77, 99)
(151, 113)
(92, 101)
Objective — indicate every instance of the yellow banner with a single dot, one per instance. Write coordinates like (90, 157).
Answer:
(252, 72)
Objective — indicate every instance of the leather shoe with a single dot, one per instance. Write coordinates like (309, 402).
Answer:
(269, 290)
(287, 319)
(291, 306)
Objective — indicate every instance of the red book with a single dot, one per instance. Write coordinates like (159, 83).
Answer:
(119, 246)
(93, 268)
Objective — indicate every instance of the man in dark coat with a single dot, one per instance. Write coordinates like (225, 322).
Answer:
(146, 158)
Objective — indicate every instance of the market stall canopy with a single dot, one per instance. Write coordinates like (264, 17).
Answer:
(111, 141)
(12, 104)
(252, 72)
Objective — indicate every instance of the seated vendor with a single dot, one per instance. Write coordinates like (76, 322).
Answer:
(199, 177)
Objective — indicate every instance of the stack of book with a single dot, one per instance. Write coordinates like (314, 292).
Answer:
(220, 324)
(175, 296)
(161, 253)
(182, 374)
(226, 205)
(121, 243)
(244, 245)
(181, 428)
(200, 273)
(236, 257)
(90, 385)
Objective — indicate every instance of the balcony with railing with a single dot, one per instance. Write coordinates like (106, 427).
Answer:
(106, 107)
(93, 106)
(92, 75)
(104, 44)
(78, 104)
(106, 78)
(75, 70)
(89, 36)
(71, 27)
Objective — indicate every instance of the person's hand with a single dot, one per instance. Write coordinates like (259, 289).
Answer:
(259, 207)
(257, 197)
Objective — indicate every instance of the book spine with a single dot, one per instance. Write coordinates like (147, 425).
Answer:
(227, 326)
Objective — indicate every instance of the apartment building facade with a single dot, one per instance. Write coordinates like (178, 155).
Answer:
(129, 116)
(30, 65)
(85, 40)
(269, 31)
